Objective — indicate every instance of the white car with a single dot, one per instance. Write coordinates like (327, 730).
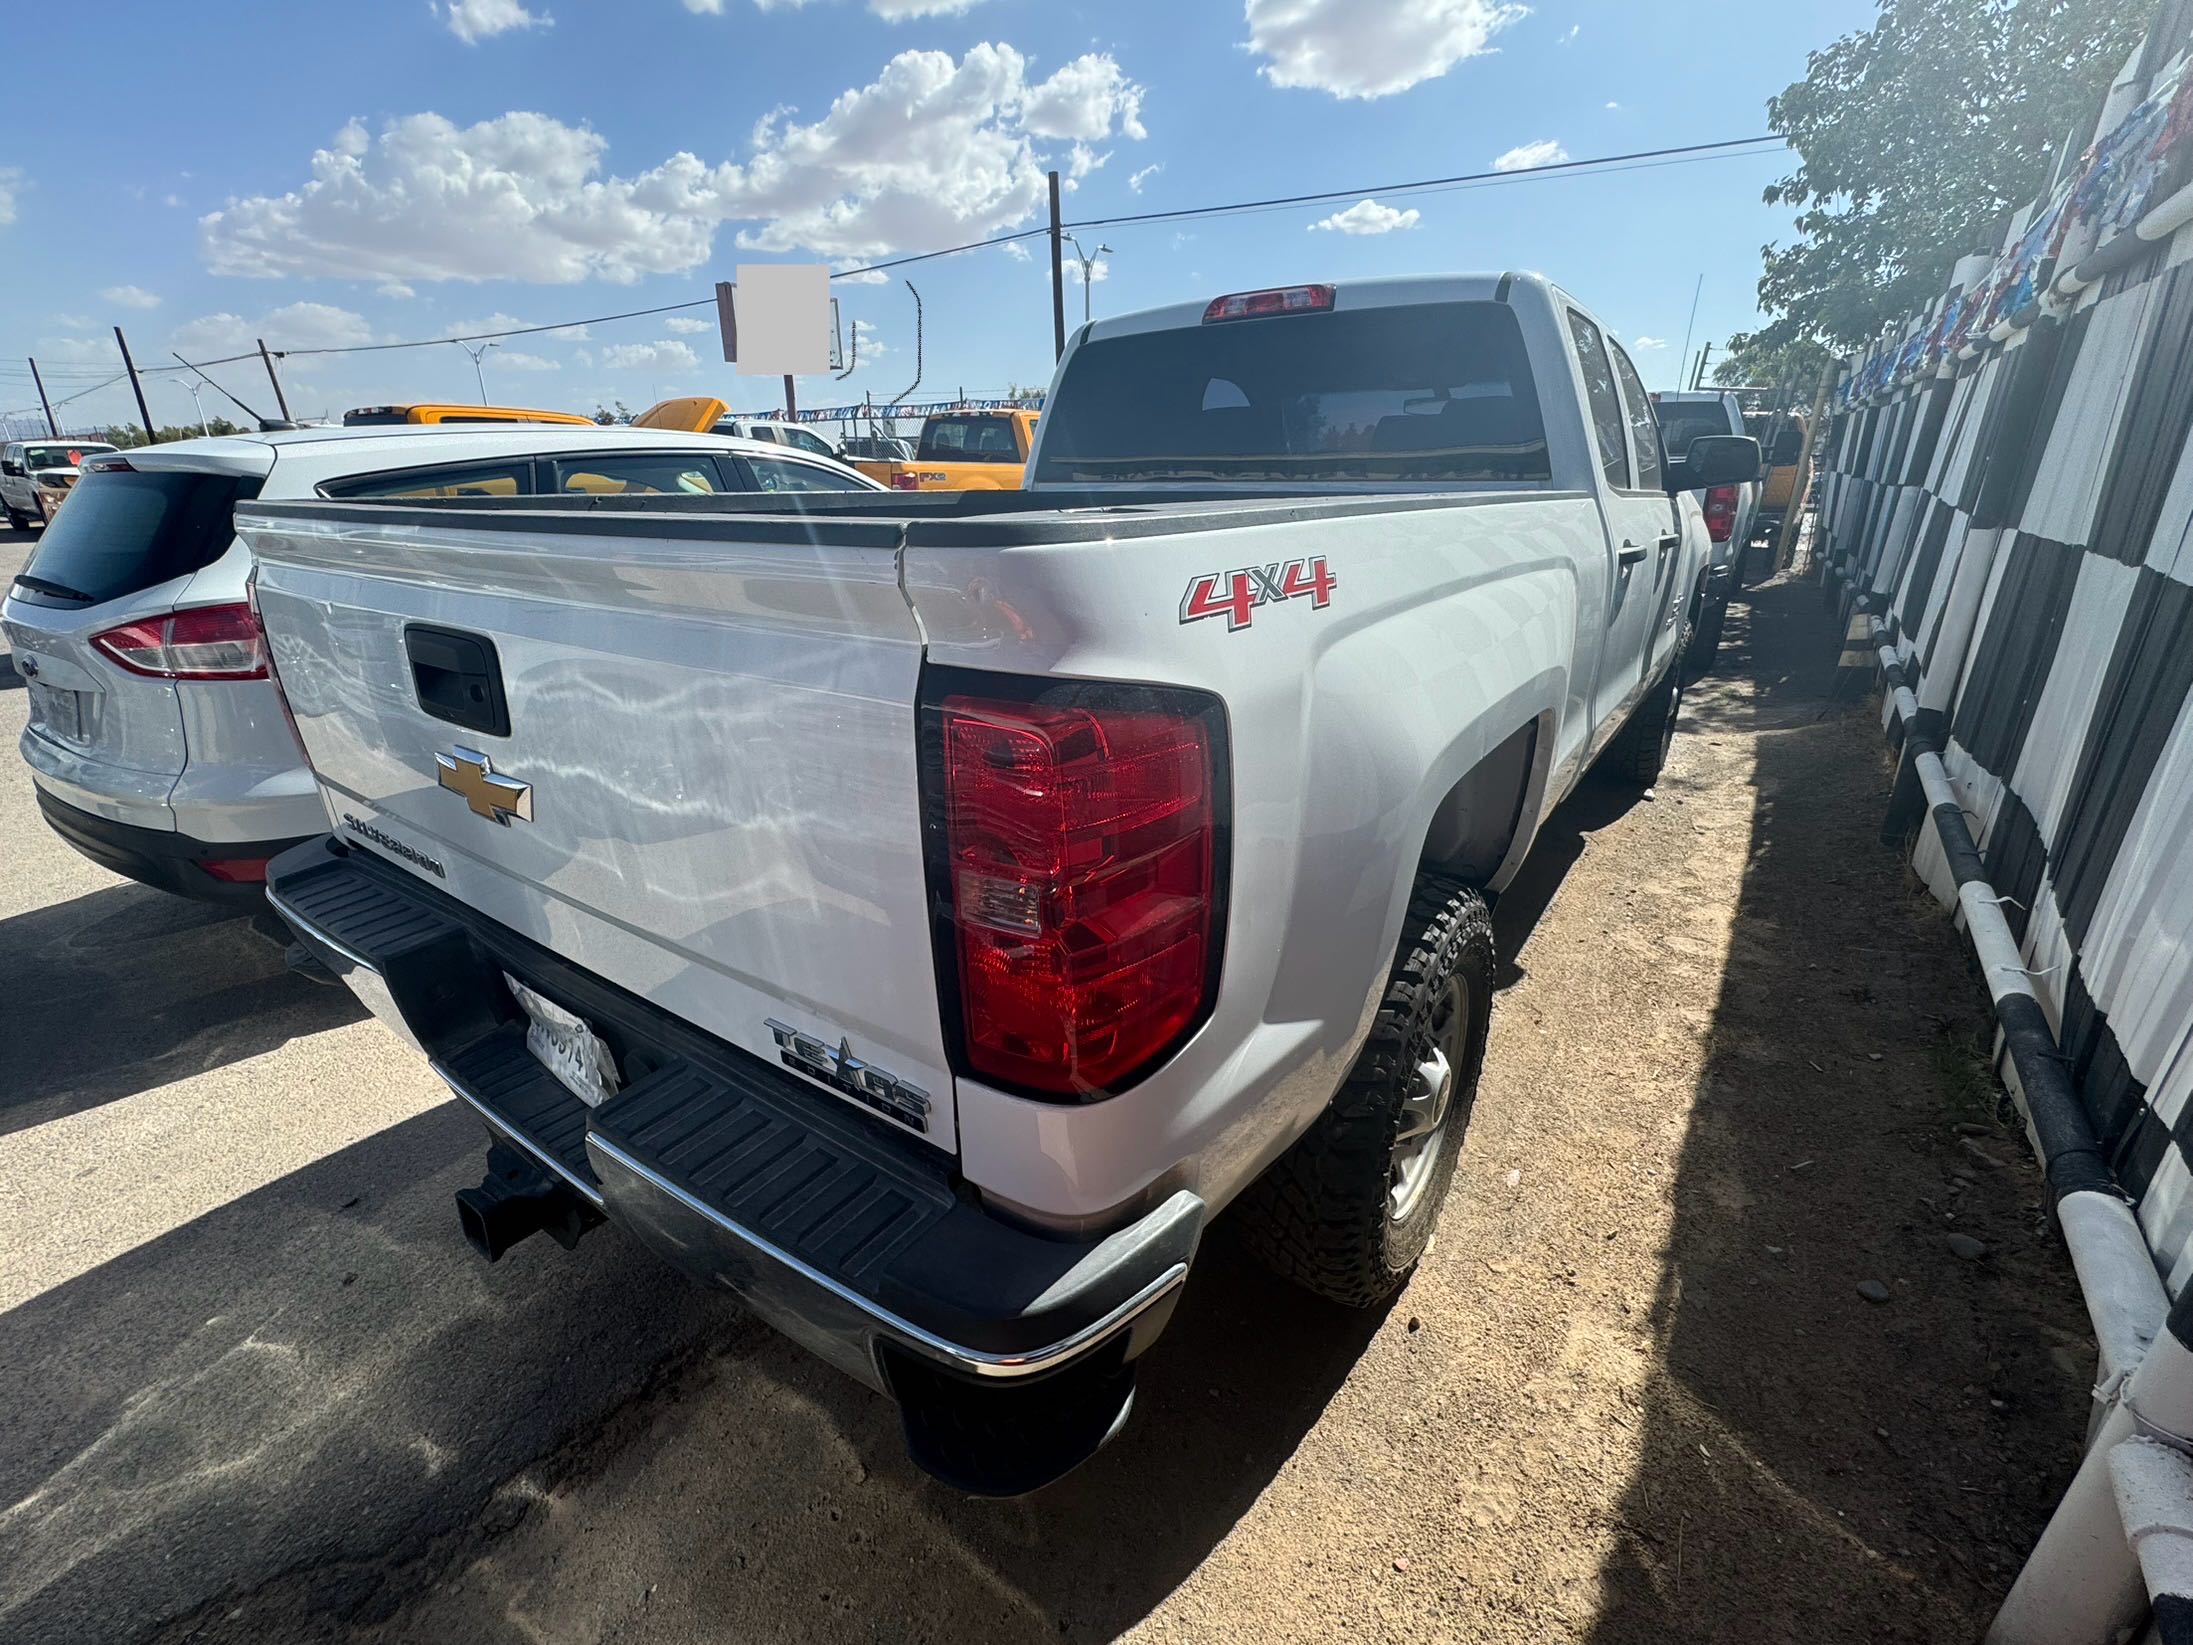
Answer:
(919, 915)
(157, 740)
(774, 431)
(34, 473)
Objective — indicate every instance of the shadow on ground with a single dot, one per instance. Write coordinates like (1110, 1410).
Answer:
(127, 988)
(1815, 1466)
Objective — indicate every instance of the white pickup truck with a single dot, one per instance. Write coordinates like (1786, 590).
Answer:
(921, 914)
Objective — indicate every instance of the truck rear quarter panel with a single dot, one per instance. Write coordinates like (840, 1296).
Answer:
(1447, 629)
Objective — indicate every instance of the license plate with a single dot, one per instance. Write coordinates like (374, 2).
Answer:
(60, 712)
(566, 1047)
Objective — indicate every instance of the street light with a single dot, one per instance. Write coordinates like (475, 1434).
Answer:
(204, 427)
(1086, 259)
(477, 373)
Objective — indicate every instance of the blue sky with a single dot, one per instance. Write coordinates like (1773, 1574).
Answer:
(328, 175)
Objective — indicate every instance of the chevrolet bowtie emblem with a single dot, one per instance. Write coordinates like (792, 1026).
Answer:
(485, 790)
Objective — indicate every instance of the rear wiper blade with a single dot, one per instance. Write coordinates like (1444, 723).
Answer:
(60, 591)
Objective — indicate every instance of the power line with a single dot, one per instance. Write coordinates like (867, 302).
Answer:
(1639, 160)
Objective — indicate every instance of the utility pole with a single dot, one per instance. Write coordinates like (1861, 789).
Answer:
(53, 428)
(791, 400)
(1705, 357)
(130, 366)
(280, 398)
(1058, 277)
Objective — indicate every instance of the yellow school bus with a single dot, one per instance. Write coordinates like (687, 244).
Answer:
(380, 416)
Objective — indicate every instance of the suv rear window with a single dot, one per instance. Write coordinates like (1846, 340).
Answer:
(125, 530)
(1436, 391)
(1682, 421)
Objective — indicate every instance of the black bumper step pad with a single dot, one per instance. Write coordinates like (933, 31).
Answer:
(505, 1078)
(842, 1209)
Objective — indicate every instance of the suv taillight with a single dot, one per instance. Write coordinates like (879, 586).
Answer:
(1078, 861)
(208, 642)
(1720, 512)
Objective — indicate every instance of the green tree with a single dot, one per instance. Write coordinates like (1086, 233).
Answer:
(128, 435)
(1795, 364)
(1914, 139)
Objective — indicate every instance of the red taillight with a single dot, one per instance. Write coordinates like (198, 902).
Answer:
(1720, 512)
(904, 482)
(238, 870)
(1082, 861)
(208, 642)
(1250, 305)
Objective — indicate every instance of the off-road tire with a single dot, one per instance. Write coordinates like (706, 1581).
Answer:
(16, 518)
(1322, 1214)
(1705, 637)
(1640, 749)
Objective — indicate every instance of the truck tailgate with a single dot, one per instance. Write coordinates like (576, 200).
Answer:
(715, 734)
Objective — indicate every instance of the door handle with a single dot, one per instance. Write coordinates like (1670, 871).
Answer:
(1629, 553)
(1670, 539)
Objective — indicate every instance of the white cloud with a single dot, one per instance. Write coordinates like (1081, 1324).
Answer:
(668, 355)
(294, 326)
(931, 152)
(1099, 271)
(1612, 104)
(1524, 156)
(1136, 179)
(1082, 160)
(11, 180)
(1082, 100)
(501, 322)
(475, 20)
(1369, 217)
(1574, 30)
(1015, 250)
(131, 297)
(395, 288)
(872, 346)
(864, 276)
(519, 360)
(1642, 343)
(706, 8)
(1354, 50)
(688, 324)
(899, 11)
(171, 199)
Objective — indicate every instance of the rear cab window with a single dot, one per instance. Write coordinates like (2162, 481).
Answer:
(1682, 421)
(1438, 392)
(968, 440)
(126, 530)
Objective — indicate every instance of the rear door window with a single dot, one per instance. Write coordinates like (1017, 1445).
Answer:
(1432, 392)
(126, 530)
(1644, 431)
(1609, 426)
(511, 479)
(666, 474)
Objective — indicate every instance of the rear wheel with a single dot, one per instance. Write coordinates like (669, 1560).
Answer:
(1639, 751)
(1705, 636)
(1349, 1209)
(16, 517)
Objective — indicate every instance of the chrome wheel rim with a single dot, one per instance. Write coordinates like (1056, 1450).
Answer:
(1428, 1106)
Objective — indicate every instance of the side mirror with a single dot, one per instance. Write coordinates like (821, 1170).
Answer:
(1716, 460)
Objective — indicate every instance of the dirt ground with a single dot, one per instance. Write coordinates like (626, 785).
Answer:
(1633, 1395)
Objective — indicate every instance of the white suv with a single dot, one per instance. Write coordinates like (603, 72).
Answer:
(33, 471)
(159, 744)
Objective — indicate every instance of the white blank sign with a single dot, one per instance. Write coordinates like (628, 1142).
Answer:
(784, 319)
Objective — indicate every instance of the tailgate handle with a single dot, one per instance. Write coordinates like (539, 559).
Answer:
(458, 678)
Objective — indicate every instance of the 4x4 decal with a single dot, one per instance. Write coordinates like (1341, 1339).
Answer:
(1235, 595)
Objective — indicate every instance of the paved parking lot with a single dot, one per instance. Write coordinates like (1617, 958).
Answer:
(258, 1389)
